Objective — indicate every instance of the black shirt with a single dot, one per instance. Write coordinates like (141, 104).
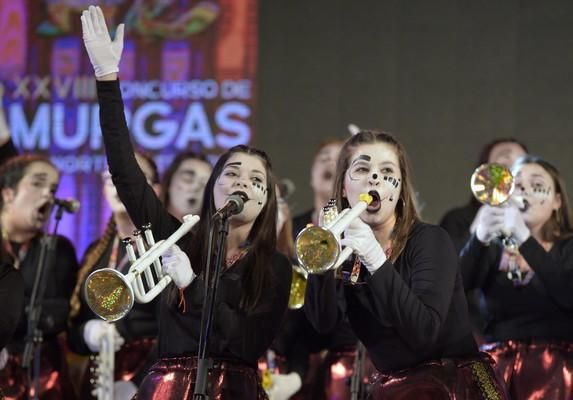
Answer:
(12, 300)
(236, 333)
(457, 223)
(405, 313)
(542, 308)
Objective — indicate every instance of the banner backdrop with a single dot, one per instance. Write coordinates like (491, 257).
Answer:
(187, 75)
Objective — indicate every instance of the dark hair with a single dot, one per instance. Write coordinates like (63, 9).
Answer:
(560, 224)
(13, 170)
(325, 143)
(486, 150)
(406, 213)
(261, 239)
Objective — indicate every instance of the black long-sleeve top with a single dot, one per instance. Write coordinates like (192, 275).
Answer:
(542, 308)
(12, 300)
(140, 322)
(60, 282)
(457, 223)
(407, 312)
(236, 333)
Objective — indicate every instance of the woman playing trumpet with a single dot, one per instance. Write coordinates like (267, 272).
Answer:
(529, 330)
(255, 281)
(407, 306)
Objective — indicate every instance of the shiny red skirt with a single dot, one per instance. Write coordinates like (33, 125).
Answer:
(535, 369)
(446, 379)
(129, 362)
(53, 382)
(174, 378)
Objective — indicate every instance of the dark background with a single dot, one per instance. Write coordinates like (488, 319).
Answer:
(445, 76)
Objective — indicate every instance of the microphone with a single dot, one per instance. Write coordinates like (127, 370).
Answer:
(235, 204)
(69, 205)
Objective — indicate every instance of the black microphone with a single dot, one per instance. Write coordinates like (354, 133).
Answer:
(69, 205)
(235, 204)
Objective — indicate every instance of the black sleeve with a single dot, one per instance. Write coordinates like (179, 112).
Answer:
(12, 300)
(56, 309)
(136, 194)
(555, 271)
(7, 151)
(322, 302)
(418, 309)
(476, 262)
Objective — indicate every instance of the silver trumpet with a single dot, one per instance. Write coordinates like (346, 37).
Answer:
(103, 373)
(111, 294)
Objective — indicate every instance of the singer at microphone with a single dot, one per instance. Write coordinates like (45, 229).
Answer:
(235, 204)
(68, 205)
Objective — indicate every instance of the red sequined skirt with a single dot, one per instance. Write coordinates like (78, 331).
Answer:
(535, 369)
(174, 378)
(53, 382)
(446, 379)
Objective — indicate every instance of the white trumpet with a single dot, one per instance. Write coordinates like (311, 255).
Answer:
(318, 248)
(103, 373)
(110, 294)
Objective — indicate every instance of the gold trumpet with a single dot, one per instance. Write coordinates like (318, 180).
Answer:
(318, 248)
(297, 288)
(111, 294)
(493, 184)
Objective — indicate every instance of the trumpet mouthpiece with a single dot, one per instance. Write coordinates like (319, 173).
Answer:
(365, 197)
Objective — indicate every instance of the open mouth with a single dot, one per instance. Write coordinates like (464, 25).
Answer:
(192, 202)
(376, 203)
(525, 206)
(327, 175)
(44, 211)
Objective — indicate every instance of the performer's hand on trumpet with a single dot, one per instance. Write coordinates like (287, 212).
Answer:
(508, 220)
(176, 264)
(359, 237)
(94, 331)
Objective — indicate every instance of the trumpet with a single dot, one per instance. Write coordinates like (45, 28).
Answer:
(103, 372)
(111, 294)
(318, 248)
(297, 288)
(493, 184)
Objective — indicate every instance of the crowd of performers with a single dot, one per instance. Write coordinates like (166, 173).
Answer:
(392, 323)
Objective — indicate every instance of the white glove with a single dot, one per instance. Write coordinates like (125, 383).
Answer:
(489, 223)
(514, 225)
(284, 386)
(124, 390)
(104, 54)
(3, 357)
(94, 331)
(176, 264)
(359, 237)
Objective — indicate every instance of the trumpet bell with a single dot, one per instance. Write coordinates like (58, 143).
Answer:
(492, 184)
(297, 288)
(317, 249)
(108, 294)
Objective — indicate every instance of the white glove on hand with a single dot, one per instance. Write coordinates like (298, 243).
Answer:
(3, 357)
(514, 225)
(104, 54)
(124, 390)
(359, 237)
(489, 223)
(284, 386)
(94, 331)
(176, 264)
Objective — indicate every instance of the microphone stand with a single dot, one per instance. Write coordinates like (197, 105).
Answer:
(34, 335)
(212, 282)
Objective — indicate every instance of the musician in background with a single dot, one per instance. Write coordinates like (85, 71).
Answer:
(136, 333)
(460, 222)
(184, 182)
(402, 290)
(530, 329)
(27, 185)
(254, 285)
